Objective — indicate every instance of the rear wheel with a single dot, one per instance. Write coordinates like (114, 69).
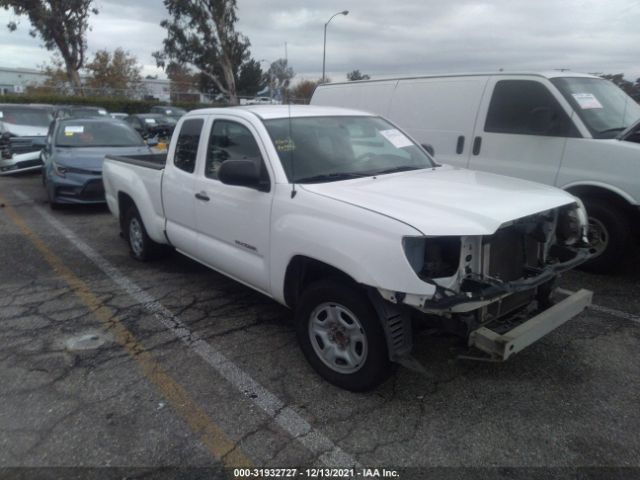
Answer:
(609, 235)
(141, 246)
(341, 336)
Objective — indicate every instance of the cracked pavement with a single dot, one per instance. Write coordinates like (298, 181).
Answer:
(571, 400)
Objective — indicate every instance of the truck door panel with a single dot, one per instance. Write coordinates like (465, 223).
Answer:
(233, 224)
(178, 188)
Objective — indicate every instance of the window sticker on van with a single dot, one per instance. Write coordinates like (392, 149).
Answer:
(1, 115)
(587, 100)
(396, 137)
(150, 120)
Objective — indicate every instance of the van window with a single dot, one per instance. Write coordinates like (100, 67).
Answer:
(231, 141)
(187, 145)
(527, 107)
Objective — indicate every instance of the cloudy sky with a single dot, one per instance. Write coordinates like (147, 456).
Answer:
(384, 38)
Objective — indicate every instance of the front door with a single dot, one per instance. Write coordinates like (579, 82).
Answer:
(233, 221)
(522, 130)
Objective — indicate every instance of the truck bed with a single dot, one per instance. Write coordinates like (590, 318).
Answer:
(157, 161)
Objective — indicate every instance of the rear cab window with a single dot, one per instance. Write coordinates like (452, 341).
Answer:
(186, 150)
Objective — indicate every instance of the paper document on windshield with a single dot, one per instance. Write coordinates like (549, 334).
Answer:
(587, 100)
(396, 137)
(71, 129)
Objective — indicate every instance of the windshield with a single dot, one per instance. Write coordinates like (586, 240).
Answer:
(25, 116)
(97, 134)
(604, 108)
(320, 149)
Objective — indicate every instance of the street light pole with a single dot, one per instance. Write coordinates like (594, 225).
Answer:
(324, 48)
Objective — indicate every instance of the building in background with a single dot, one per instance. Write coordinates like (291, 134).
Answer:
(17, 80)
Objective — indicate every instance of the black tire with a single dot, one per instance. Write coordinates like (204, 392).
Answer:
(375, 366)
(141, 247)
(608, 224)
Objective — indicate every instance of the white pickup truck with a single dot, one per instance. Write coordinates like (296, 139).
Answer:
(340, 216)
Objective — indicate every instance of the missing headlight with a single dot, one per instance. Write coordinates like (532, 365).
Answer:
(433, 257)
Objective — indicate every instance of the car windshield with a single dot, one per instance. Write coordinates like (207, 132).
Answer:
(323, 149)
(604, 108)
(25, 116)
(97, 134)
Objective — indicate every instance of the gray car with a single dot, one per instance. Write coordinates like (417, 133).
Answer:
(73, 156)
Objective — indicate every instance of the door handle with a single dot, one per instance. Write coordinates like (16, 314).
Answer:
(477, 143)
(202, 196)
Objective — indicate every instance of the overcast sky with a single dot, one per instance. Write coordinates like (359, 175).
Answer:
(384, 38)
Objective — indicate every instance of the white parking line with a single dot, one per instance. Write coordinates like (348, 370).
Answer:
(285, 417)
(609, 311)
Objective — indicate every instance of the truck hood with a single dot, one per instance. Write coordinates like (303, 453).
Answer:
(25, 130)
(92, 158)
(446, 200)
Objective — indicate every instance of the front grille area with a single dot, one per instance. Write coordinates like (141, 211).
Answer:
(511, 252)
(93, 190)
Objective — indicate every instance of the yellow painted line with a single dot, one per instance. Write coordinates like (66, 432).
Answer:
(218, 443)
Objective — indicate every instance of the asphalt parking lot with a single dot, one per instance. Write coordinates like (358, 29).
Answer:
(105, 361)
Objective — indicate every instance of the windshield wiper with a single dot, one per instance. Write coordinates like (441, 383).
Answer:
(331, 177)
(611, 130)
(404, 168)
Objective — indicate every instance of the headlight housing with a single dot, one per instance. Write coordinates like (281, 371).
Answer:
(572, 226)
(59, 169)
(433, 257)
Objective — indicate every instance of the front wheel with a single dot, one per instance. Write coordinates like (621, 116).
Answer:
(141, 246)
(609, 236)
(341, 336)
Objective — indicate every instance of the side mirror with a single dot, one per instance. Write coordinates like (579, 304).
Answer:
(242, 173)
(429, 148)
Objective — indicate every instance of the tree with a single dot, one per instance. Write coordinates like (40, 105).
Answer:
(201, 34)
(114, 73)
(279, 76)
(251, 78)
(303, 91)
(62, 25)
(356, 75)
(631, 88)
(184, 83)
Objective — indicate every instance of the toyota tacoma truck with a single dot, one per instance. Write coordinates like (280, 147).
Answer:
(342, 217)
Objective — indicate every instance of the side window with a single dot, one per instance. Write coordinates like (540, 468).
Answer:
(231, 141)
(187, 145)
(528, 108)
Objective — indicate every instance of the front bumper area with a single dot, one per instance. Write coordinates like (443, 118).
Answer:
(23, 162)
(77, 189)
(500, 346)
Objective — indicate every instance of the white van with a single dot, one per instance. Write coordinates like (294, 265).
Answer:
(575, 131)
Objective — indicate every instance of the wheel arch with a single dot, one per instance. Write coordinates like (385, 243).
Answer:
(303, 270)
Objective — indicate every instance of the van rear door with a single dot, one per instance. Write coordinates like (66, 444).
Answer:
(522, 129)
(441, 112)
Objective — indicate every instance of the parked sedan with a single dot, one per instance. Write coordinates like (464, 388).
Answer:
(152, 125)
(169, 111)
(79, 111)
(73, 156)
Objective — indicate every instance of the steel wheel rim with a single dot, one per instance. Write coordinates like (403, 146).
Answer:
(135, 237)
(598, 236)
(338, 338)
